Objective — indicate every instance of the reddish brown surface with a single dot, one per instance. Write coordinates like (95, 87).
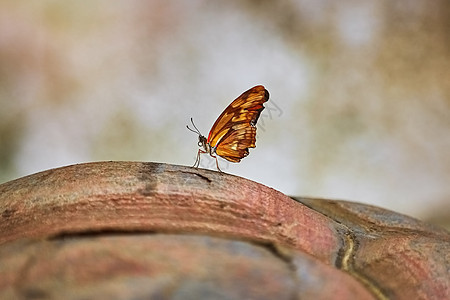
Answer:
(165, 266)
(403, 257)
(122, 229)
(123, 196)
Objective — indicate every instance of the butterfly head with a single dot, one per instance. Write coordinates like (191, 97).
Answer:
(202, 141)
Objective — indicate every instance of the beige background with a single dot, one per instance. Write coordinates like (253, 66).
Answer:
(360, 90)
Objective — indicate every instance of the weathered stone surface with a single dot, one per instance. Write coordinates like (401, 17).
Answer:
(399, 256)
(125, 196)
(121, 230)
(165, 266)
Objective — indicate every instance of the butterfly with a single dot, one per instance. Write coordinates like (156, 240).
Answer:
(235, 129)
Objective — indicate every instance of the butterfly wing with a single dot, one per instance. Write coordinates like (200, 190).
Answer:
(235, 129)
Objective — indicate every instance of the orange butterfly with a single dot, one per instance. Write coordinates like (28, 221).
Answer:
(235, 129)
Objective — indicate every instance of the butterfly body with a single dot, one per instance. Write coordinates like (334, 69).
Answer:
(234, 131)
(203, 143)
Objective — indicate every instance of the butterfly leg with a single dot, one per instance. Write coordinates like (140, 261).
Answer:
(217, 164)
(197, 160)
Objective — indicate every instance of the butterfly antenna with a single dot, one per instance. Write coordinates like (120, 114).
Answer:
(196, 131)
(192, 121)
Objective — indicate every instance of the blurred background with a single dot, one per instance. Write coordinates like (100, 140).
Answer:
(360, 91)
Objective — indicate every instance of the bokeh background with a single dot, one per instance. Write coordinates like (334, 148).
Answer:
(360, 91)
